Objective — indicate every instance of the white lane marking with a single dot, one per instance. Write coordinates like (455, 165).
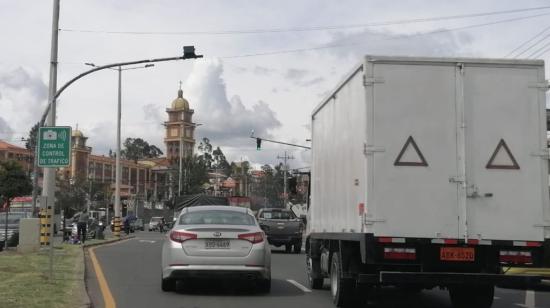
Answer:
(299, 285)
(146, 241)
(496, 297)
(529, 299)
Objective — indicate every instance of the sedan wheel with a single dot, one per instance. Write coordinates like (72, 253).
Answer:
(264, 286)
(168, 284)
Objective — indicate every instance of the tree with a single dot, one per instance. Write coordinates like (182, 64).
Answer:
(13, 181)
(32, 141)
(71, 195)
(220, 162)
(137, 148)
(205, 148)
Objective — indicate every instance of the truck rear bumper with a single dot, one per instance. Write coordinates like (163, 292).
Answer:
(443, 279)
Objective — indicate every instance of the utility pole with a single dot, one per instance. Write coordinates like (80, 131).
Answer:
(118, 167)
(48, 191)
(285, 158)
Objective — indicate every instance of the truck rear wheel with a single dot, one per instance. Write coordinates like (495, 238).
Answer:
(314, 277)
(343, 290)
(472, 296)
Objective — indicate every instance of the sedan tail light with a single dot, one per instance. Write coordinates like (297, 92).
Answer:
(254, 238)
(180, 237)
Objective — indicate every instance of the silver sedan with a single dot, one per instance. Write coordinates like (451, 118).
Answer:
(216, 242)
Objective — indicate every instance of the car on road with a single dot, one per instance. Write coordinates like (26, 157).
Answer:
(154, 223)
(282, 227)
(213, 242)
(12, 228)
(137, 225)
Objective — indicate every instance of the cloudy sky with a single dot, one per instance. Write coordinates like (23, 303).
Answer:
(267, 63)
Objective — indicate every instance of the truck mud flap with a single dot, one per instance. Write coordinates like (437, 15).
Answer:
(395, 278)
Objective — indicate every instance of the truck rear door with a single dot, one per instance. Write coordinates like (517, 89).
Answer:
(506, 166)
(411, 150)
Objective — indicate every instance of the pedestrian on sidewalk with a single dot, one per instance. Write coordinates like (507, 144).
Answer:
(82, 225)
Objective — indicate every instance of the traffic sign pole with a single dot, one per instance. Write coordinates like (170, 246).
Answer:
(48, 191)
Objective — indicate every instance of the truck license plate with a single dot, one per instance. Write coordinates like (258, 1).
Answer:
(216, 244)
(457, 254)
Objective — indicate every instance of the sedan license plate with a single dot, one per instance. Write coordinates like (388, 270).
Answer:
(216, 244)
(457, 254)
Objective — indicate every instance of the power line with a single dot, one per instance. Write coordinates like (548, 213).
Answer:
(542, 53)
(526, 42)
(532, 45)
(538, 50)
(315, 28)
(391, 38)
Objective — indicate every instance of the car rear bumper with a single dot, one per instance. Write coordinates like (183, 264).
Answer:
(216, 271)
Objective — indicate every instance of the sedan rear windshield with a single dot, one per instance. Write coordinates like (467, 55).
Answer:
(277, 215)
(216, 218)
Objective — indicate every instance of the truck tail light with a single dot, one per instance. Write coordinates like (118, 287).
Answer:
(256, 237)
(515, 257)
(180, 237)
(399, 253)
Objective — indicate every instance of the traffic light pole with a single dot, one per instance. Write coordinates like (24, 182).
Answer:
(49, 173)
(259, 143)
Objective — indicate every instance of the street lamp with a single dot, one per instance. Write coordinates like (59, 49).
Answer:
(118, 171)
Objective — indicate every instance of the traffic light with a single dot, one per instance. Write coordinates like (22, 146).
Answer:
(258, 144)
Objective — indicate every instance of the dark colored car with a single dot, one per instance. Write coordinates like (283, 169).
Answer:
(282, 227)
(13, 228)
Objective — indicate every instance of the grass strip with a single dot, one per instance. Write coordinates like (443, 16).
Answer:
(24, 278)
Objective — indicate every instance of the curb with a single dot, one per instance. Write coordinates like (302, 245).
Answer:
(85, 301)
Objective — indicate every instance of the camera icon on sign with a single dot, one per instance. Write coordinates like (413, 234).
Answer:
(49, 135)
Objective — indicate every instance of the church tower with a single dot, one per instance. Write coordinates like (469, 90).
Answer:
(180, 129)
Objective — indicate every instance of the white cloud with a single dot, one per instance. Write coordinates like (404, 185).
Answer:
(226, 122)
(22, 102)
(6, 132)
(368, 41)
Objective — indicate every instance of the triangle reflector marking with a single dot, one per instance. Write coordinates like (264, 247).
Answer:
(410, 155)
(502, 158)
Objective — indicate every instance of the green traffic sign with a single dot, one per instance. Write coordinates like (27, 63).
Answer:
(54, 146)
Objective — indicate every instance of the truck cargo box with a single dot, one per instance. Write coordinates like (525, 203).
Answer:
(433, 148)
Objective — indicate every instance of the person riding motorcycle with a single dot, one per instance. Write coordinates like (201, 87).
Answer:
(162, 223)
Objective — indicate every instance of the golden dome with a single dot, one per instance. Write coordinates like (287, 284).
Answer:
(77, 133)
(180, 102)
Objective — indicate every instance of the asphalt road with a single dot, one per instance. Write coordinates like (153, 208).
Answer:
(132, 271)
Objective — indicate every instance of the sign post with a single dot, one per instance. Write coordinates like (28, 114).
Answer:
(54, 150)
(54, 146)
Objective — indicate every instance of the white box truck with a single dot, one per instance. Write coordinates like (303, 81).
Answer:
(429, 172)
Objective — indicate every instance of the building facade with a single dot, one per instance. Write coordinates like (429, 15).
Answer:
(24, 157)
(148, 179)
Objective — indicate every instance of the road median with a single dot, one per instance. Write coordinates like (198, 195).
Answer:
(24, 278)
